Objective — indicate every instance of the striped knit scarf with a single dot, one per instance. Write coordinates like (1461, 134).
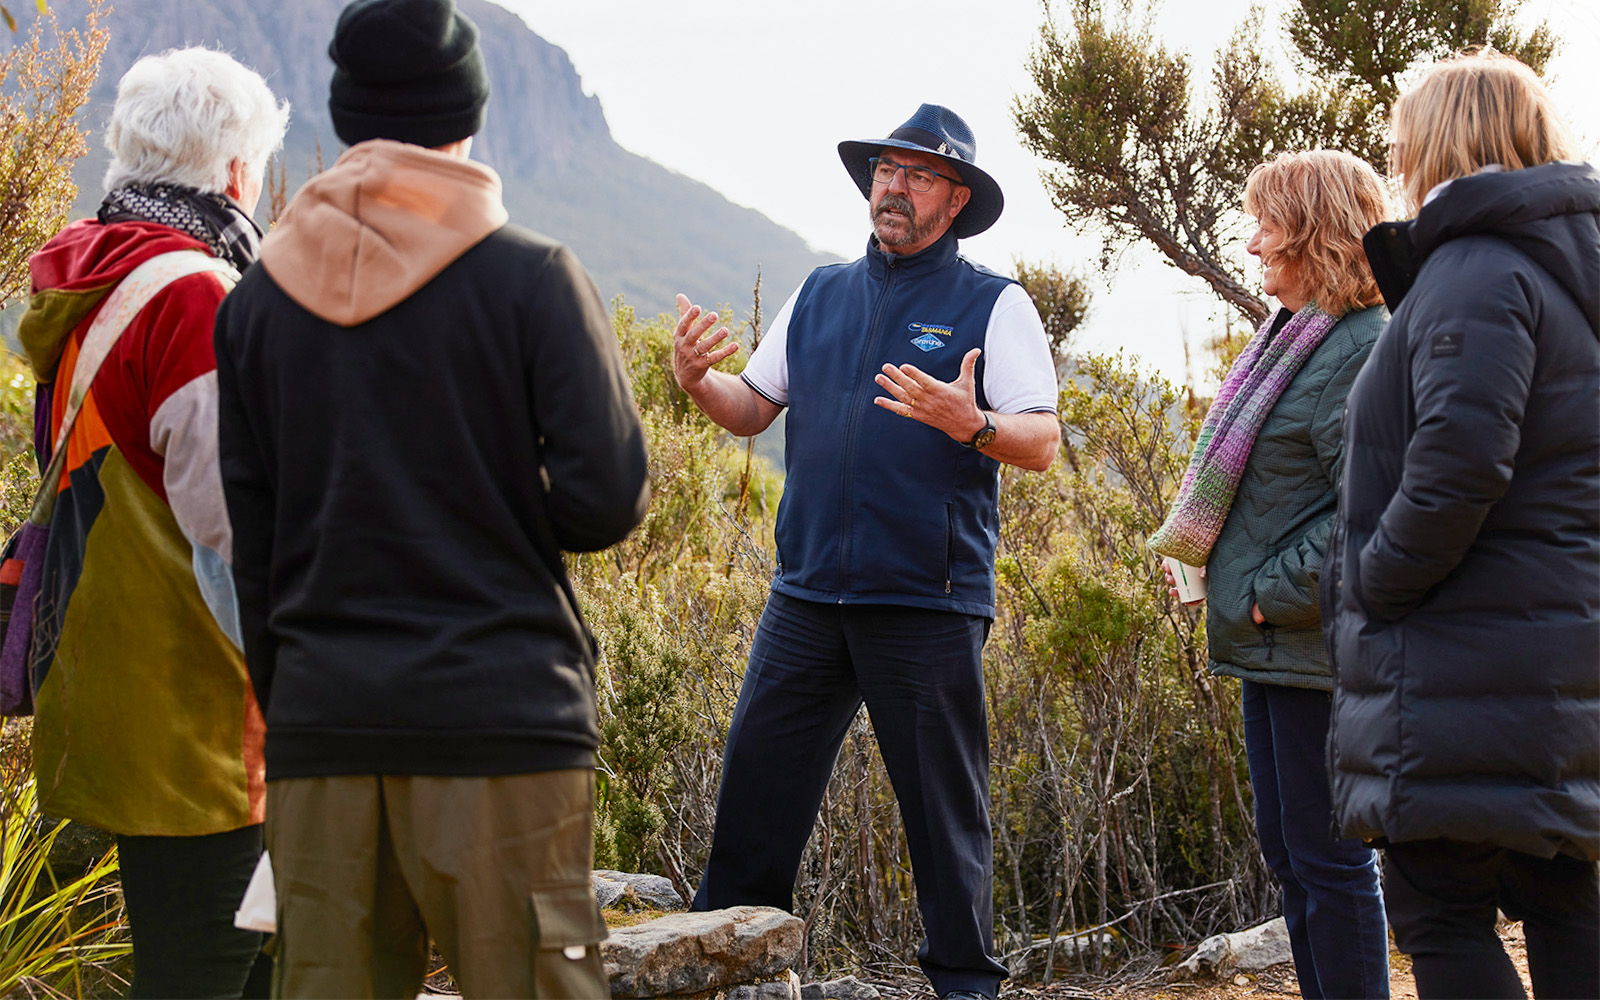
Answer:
(1267, 366)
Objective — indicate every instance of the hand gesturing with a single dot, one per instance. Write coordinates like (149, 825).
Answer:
(951, 407)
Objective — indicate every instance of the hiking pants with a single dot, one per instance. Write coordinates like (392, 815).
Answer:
(920, 674)
(495, 870)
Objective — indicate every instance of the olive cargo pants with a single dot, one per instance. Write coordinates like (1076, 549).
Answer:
(495, 870)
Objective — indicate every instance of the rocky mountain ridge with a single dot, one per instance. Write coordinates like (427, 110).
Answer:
(642, 230)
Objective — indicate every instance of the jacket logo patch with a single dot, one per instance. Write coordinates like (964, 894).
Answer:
(928, 342)
(938, 330)
(1447, 345)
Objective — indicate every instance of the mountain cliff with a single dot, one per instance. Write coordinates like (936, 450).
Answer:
(642, 230)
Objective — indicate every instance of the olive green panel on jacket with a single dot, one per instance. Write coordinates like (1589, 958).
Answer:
(50, 318)
(140, 720)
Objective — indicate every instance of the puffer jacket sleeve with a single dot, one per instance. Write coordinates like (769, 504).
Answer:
(1472, 362)
(1287, 584)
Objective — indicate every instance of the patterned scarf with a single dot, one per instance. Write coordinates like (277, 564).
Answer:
(1267, 366)
(214, 219)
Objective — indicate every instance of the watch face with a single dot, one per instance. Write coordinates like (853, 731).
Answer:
(984, 439)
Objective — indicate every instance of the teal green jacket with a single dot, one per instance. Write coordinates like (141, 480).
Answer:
(1271, 548)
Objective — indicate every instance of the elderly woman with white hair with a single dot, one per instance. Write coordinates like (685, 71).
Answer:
(146, 725)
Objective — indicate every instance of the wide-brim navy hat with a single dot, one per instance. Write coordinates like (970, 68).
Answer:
(941, 132)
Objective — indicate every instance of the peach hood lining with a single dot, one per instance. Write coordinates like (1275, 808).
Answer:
(361, 237)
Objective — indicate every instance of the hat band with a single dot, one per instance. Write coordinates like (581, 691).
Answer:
(927, 140)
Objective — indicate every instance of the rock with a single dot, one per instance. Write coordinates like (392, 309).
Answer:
(848, 988)
(698, 952)
(783, 988)
(1256, 948)
(653, 892)
(77, 847)
(607, 891)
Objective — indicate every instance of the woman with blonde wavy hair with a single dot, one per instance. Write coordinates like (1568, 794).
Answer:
(1255, 509)
(1464, 583)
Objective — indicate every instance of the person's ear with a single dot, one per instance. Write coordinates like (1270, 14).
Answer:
(959, 196)
(237, 172)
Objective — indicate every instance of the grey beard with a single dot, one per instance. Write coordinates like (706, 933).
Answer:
(919, 228)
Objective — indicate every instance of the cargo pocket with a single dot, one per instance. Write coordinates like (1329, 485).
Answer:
(567, 931)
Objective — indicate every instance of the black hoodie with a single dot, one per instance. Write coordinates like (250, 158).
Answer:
(1465, 572)
(421, 406)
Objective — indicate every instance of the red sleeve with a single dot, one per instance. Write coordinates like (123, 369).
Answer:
(165, 348)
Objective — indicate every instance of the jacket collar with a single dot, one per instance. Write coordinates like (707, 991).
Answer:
(934, 258)
(1393, 259)
(1547, 212)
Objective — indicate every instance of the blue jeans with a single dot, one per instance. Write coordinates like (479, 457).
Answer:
(920, 673)
(1331, 899)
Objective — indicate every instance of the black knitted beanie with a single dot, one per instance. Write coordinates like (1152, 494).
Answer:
(408, 70)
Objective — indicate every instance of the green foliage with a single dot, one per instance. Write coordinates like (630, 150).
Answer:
(19, 473)
(43, 85)
(55, 935)
(1061, 297)
(1118, 781)
(1147, 158)
(673, 608)
(1370, 45)
(645, 719)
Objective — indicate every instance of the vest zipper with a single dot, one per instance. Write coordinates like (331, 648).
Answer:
(949, 543)
(1266, 630)
(874, 334)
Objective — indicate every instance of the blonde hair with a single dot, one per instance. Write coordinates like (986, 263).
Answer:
(1471, 111)
(1322, 202)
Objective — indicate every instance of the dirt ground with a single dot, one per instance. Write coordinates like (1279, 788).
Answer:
(1277, 981)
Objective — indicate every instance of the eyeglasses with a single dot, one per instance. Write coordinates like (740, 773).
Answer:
(918, 179)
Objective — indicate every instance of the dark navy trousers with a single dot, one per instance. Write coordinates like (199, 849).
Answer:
(1331, 900)
(920, 674)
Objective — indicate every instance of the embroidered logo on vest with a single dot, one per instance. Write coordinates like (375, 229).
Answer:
(931, 332)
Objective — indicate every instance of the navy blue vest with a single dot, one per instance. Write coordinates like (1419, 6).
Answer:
(878, 508)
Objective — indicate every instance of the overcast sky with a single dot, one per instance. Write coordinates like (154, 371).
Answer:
(751, 97)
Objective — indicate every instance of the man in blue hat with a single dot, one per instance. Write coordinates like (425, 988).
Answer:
(910, 376)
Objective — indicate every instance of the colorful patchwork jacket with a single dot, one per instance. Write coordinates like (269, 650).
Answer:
(145, 721)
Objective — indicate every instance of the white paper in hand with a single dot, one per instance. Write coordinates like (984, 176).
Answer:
(259, 910)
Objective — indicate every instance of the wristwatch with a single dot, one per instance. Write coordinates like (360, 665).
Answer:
(985, 437)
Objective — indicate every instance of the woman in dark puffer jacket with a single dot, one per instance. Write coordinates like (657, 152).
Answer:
(1464, 579)
(1256, 508)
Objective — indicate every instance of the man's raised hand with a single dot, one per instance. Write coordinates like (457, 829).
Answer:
(694, 353)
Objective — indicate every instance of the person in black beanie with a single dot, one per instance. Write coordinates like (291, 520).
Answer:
(407, 70)
(411, 633)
